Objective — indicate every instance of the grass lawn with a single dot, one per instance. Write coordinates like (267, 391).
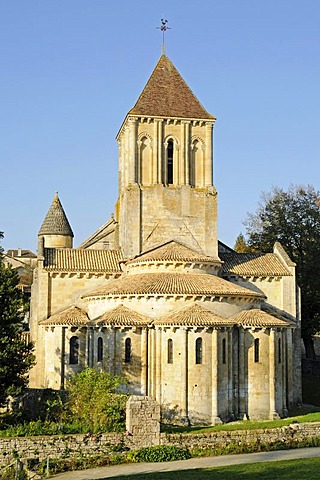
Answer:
(245, 425)
(290, 469)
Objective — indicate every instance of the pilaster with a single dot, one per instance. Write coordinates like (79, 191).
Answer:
(242, 391)
(159, 142)
(215, 419)
(132, 152)
(272, 375)
(208, 154)
(158, 360)
(184, 374)
(144, 361)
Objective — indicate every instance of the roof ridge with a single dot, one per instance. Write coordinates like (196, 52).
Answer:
(172, 250)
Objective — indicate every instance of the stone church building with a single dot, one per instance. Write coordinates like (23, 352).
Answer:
(152, 295)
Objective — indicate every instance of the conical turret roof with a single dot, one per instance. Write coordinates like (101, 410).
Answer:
(166, 94)
(56, 222)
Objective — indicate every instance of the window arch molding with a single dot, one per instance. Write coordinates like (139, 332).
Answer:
(145, 136)
(197, 138)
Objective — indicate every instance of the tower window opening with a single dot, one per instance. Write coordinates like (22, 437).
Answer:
(100, 350)
(170, 351)
(127, 350)
(170, 162)
(199, 351)
(74, 351)
(256, 350)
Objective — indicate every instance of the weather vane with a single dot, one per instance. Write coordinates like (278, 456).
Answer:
(163, 29)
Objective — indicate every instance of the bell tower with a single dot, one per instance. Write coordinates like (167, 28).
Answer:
(165, 168)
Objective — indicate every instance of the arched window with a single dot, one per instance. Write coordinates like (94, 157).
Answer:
(256, 350)
(199, 351)
(279, 351)
(170, 351)
(197, 165)
(224, 351)
(170, 162)
(100, 350)
(145, 161)
(127, 350)
(74, 351)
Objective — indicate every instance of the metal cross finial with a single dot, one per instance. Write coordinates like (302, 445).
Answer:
(163, 29)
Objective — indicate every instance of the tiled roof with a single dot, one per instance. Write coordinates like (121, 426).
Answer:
(21, 253)
(173, 252)
(258, 318)
(194, 316)
(56, 222)
(166, 94)
(74, 260)
(254, 264)
(173, 284)
(122, 316)
(71, 316)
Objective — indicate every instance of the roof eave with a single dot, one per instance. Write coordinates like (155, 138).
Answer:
(210, 118)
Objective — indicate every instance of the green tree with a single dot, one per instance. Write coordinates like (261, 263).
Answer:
(293, 218)
(95, 399)
(16, 355)
(241, 245)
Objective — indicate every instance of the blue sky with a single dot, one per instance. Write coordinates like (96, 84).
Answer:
(70, 70)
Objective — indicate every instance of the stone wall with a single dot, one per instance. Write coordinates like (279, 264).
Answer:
(143, 429)
(143, 421)
(56, 446)
(296, 432)
(66, 446)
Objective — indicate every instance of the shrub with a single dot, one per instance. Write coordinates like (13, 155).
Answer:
(159, 453)
(95, 400)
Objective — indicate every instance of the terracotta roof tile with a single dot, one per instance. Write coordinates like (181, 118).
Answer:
(71, 316)
(74, 260)
(173, 252)
(194, 315)
(122, 316)
(56, 222)
(173, 284)
(254, 264)
(166, 94)
(259, 318)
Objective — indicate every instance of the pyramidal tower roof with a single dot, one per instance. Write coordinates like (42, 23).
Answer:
(56, 222)
(166, 94)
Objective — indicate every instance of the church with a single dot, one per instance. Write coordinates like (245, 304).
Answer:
(212, 335)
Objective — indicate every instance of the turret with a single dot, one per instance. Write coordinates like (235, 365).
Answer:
(55, 231)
